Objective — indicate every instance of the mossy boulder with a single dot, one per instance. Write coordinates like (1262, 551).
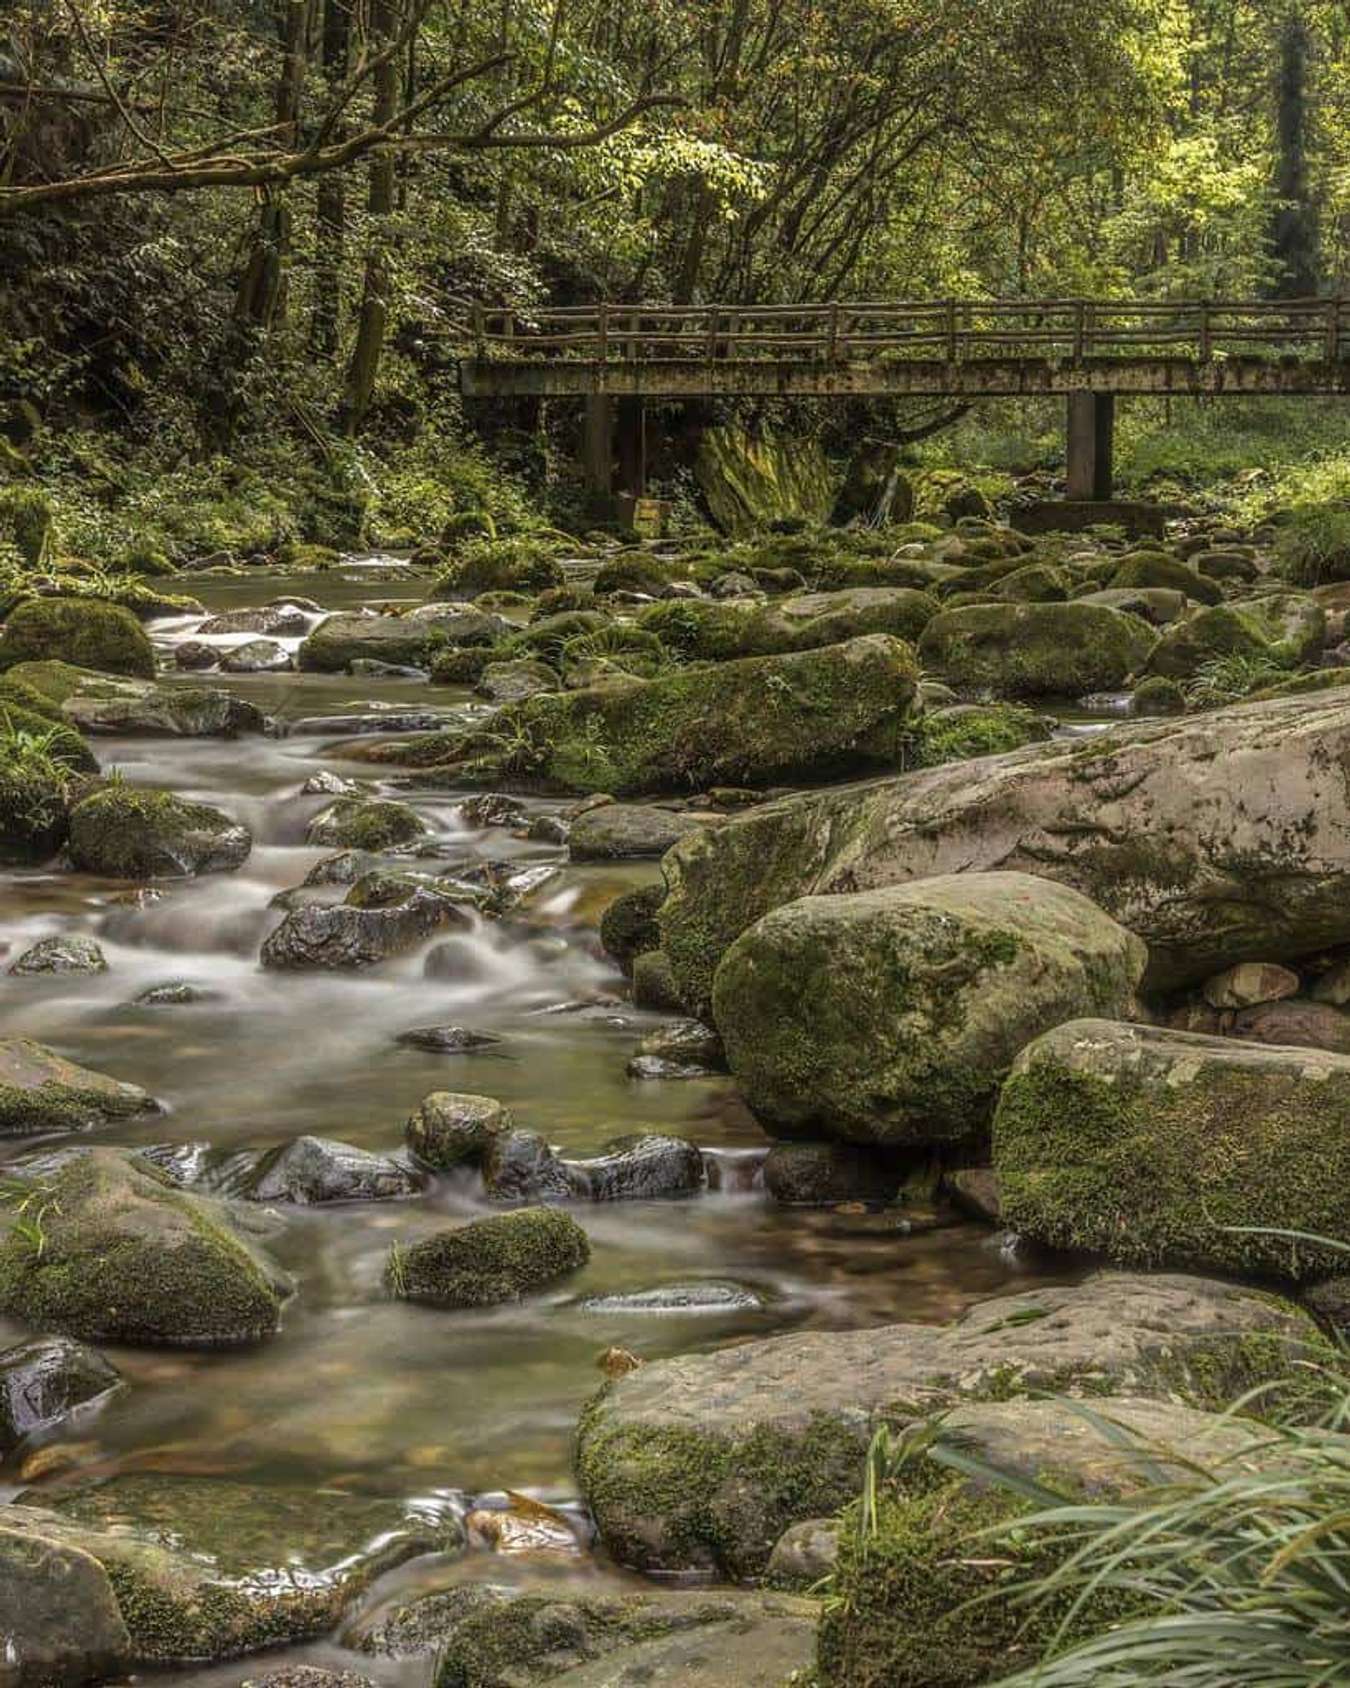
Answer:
(1035, 650)
(1035, 583)
(892, 1016)
(753, 480)
(1157, 696)
(1288, 628)
(963, 730)
(1146, 569)
(488, 1261)
(516, 564)
(100, 703)
(41, 1092)
(640, 572)
(628, 927)
(28, 523)
(703, 630)
(915, 1604)
(126, 832)
(1146, 819)
(126, 1257)
(1150, 1146)
(702, 1461)
(748, 723)
(41, 767)
(58, 1613)
(454, 1128)
(365, 823)
(405, 641)
(84, 632)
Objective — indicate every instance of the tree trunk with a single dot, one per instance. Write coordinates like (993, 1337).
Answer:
(370, 330)
(331, 205)
(1294, 235)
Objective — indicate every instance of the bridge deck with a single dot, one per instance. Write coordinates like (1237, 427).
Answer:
(960, 349)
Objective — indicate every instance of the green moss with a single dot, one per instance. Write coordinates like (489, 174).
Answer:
(1035, 650)
(1154, 568)
(956, 735)
(27, 521)
(129, 832)
(367, 823)
(914, 1602)
(82, 631)
(1158, 696)
(490, 1260)
(304, 559)
(1151, 1174)
(518, 564)
(461, 665)
(628, 927)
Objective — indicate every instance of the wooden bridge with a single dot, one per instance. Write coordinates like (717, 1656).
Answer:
(1087, 350)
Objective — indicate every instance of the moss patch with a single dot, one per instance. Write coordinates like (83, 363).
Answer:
(491, 1260)
(83, 631)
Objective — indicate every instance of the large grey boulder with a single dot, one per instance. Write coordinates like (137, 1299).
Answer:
(382, 915)
(126, 1257)
(1035, 650)
(108, 703)
(701, 1462)
(892, 1016)
(1150, 1146)
(1215, 838)
(629, 832)
(126, 832)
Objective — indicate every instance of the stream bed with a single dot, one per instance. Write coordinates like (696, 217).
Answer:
(359, 1392)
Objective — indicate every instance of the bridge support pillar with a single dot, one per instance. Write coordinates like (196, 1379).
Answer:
(598, 444)
(1091, 434)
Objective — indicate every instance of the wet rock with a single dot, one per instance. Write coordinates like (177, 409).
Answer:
(193, 655)
(642, 1167)
(447, 1040)
(1146, 820)
(454, 1128)
(413, 1627)
(671, 1458)
(1035, 650)
(1250, 983)
(345, 868)
(342, 639)
(503, 1258)
(308, 1676)
(520, 1166)
(804, 1554)
(1149, 1146)
(1157, 698)
(179, 993)
(73, 954)
(698, 1297)
(824, 1174)
(505, 884)
(462, 960)
(284, 619)
(40, 1091)
(511, 682)
(523, 1526)
(328, 784)
(654, 983)
(207, 1569)
(977, 1191)
(628, 832)
(383, 915)
(549, 829)
(47, 1382)
(493, 808)
(973, 965)
(58, 1614)
(183, 1164)
(365, 823)
(125, 832)
(133, 708)
(682, 1049)
(85, 632)
(311, 1170)
(1295, 1023)
(128, 1258)
(258, 656)
(370, 721)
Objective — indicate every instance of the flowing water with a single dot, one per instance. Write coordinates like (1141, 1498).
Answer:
(360, 1392)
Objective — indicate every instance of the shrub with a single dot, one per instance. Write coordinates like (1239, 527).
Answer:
(1313, 545)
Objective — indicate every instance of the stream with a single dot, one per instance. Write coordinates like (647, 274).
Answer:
(359, 1392)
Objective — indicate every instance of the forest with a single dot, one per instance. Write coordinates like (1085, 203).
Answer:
(674, 843)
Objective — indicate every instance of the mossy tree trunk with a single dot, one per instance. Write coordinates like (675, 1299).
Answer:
(331, 205)
(374, 319)
(1294, 234)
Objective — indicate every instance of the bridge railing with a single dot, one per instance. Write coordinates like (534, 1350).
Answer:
(949, 330)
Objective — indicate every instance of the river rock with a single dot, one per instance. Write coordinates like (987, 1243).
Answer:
(702, 1461)
(1156, 605)
(825, 1174)
(642, 1167)
(125, 1257)
(272, 619)
(58, 1614)
(833, 709)
(681, 1049)
(40, 1091)
(502, 1258)
(126, 832)
(131, 708)
(1035, 650)
(258, 656)
(1294, 1023)
(1250, 983)
(704, 631)
(341, 639)
(629, 832)
(628, 926)
(46, 1382)
(521, 1166)
(804, 1554)
(976, 1191)
(206, 1569)
(447, 1040)
(177, 993)
(365, 823)
(654, 984)
(84, 632)
(67, 954)
(454, 1128)
(1145, 569)
(1144, 1145)
(383, 914)
(1219, 838)
(891, 1016)
(492, 808)
(1290, 628)
(345, 868)
(513, 681)
(702, 1296)
(311, 1170)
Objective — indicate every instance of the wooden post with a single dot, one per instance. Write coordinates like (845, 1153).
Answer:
(602, 331)
(712, 333)
(1334, 330)
(1079, 313)
(1091, 431)
(832, 333)
(598, 444)
(1206, 333)
(478, 318)
(951, 331)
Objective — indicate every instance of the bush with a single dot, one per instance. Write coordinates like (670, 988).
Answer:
(27, 523)
(1313, 546)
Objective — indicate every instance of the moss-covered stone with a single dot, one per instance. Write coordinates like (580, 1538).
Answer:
(100, 703)
(891, 1016)
(28, 523)
(1035, 650)
(628, 927)
(126, 1257)
(701, 630)
(1151, 1146)
(126, 832)
(452, 1128)
(340, 640)
(41, 1092)
(58, 1613)
(965, 730)
(365, 823)
(1288, 628)
(85, 632)
(1157, 696)
(502, 1258)
(750, 481)
(517, 564)
(1034, 583)
(747, 723)
(1144, 569)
